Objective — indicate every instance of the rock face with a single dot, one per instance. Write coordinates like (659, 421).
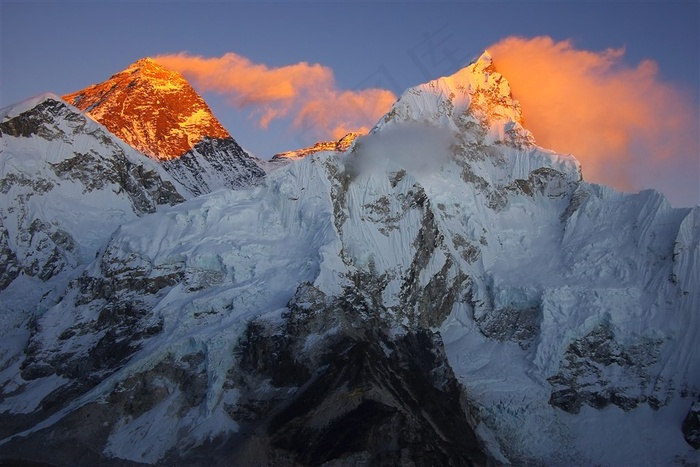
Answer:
(215, 163)
(445, 292)
(152, 109)
(691, 426)
(51, 153)
(363, 397)
(157, 112)
(590, 373)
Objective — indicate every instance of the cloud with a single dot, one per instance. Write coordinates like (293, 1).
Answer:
(416, 147)
(305, 92)
(623, 123)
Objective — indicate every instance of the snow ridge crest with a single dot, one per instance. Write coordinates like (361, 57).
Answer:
(476, 95)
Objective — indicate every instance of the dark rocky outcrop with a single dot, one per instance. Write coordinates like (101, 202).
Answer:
(691, 426)
(145, 188)
(42, 121)
(511, 324)
(357, 397)
(9, 265)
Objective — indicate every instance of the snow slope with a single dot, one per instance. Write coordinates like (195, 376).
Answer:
(568, 312)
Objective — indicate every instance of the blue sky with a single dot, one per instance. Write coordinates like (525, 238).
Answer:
(65, 46)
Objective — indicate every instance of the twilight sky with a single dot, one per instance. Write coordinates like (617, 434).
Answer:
(615, 83)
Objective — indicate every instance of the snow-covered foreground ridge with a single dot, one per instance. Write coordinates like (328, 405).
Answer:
(358, 290)
(66, 184)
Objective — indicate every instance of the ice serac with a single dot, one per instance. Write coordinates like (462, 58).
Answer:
(445, 292)
(157, 112)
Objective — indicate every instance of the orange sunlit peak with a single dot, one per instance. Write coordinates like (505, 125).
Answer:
(147, 63)
(139, 62)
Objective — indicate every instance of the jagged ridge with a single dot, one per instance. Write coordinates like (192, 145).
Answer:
(342, 145)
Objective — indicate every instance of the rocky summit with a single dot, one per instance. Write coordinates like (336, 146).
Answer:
(151, 108)
(445, 292)
(158, 113)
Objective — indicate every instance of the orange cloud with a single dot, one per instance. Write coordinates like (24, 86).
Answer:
(614, 118)
(352, 111)
(306, 92)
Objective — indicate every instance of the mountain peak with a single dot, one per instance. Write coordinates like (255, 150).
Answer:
(145, 61)
(124, 104)
(476, 94)
(27, 104)
(485, 59)
(149, 69)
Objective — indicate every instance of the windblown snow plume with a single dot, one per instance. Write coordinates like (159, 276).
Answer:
(306, 92)
(416, 147)
(625, 124)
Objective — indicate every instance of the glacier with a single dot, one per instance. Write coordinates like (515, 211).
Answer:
(444, 291)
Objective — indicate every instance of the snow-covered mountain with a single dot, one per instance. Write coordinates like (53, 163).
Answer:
(444, 293)
(157, 112)
(67, 183)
